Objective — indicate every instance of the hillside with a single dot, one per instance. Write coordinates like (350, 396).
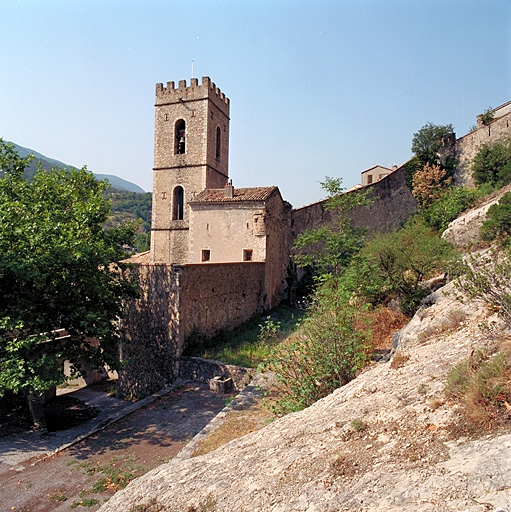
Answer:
(393, 439)
(130, 203)
(48, 163)
(414, 453)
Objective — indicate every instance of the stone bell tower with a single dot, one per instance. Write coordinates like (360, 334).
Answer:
(191, 150)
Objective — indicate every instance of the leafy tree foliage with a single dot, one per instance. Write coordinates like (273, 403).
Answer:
(399, 262)
(492, 163)
(328, 250)
(447, 208)
(427, 142)
(59, 269)
(498, 220)
(131, 207)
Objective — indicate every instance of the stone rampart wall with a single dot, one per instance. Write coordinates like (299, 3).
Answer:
(148, 348)
(465, 148)
(220, 296)
(392, 203)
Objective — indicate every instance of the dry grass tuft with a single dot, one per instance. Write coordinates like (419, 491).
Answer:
(398, 361)
(482, 384)
(383, 322)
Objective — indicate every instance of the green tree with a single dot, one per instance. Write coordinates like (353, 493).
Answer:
(427, 142)
(492, 163)
(329, 249)
(59, 269)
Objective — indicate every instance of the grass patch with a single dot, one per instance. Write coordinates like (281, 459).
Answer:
(482, 383)
(249, 344)
(358, 425)
(114, 475)
(58, 496)
(86, 502)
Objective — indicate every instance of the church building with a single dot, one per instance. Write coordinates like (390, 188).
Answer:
(198, 215)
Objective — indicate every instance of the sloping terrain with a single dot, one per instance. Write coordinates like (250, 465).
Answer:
(48, 163)
(390, 440)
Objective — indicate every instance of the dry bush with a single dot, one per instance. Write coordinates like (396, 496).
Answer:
(398, 361)
(482, 383)
(429, 183)
(383, 322)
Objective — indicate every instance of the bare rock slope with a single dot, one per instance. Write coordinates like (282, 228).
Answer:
(406, 449)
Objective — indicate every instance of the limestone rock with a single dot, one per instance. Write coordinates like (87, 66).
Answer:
(406, 458)
(465, 229)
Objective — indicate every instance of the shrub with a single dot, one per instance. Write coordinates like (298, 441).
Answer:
(487, 116)
(402, 260)
(482, 384)
(492, 163)
(487, 276)
(448, 207)
(328, 353)
(269, 329)
(429, 184)
(498, 220)
(358, 425)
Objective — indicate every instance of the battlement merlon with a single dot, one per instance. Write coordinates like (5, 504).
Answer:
(194, 92)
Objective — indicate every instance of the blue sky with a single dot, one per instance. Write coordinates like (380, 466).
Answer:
(317, 88)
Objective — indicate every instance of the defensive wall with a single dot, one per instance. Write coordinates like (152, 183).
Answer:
(465, 148)
(391, 204)
(148, 351)
(219, 296)
(175, 302)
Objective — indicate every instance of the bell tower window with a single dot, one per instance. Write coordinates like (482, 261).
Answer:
(177, 203)
(218, 134)
(180, 136)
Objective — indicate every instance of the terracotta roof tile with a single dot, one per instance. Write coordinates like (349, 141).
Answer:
(217, 195)
(142, 258)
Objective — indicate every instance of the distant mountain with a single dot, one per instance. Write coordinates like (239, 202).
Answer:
(48, 163)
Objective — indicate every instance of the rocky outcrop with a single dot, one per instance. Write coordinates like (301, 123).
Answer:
(386, 441)
(464, 230)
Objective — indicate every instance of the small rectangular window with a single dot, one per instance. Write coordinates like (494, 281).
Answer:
(206, 255)
(247, 254)
(369, 179)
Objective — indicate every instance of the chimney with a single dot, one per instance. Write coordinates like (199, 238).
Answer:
(229, 190)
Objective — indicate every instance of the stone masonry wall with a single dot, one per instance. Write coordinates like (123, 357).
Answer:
(218, 296)
(465, 148)
(392, 204)
(148, 349)
(278, 248)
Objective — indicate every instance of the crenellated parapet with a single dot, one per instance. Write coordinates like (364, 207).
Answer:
(194, 92)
